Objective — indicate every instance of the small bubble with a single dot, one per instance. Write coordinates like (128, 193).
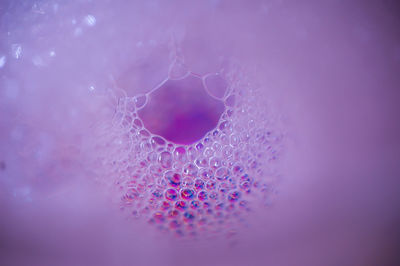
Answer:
(222, 173)
(234, 196)
(215, 162)
(206, 173)
(208, 152)
(187, 193)
(2, 61)
(158, 140)
(165, 159)
(223, 187)
(188, 216)
(202, 195)
(180, 154)
(77, 32)
(213, 195)
(140, 101)
(195, 204)
(16, 50)
(199, 184)
(165, 205)
(174, 179)
(173, 213)
(201, 162)
(157, 193)
(190, 169)
(245, 186)
(90, 20)
(158, 217)
(180, 205)
(171, 194)
(187, 182)
(211, 185)
(199, 146)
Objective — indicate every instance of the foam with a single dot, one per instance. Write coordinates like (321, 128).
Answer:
(196, 187)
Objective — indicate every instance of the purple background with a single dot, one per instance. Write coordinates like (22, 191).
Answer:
(329, 68)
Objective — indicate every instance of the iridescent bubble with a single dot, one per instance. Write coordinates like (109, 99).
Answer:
(188, 216)
(199, 184)
(181, 205)
(195, 204)
(202, 195)
(157, 193)
(165, 205)
(174, 179)
(219, 206)
(210, 185)
(187, 193)
(213, 195)
(173, 214)
(234, 196)
(245, 186)
(158, 217)
(171, 194)
(206, 204)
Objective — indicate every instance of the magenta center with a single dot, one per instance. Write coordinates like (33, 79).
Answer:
(181, 111)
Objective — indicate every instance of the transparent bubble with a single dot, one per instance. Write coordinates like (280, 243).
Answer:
(206, 173)
(222, 173)
(202, 162)
(158, 140)
(215, 85)
(190, 169)
(140, 101)
(188, 182)
(215, 162)
(165, 159)
(180, 154)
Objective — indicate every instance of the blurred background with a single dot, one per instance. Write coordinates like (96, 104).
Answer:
(330, 70)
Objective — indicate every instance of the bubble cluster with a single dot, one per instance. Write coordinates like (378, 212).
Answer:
(205, 187)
